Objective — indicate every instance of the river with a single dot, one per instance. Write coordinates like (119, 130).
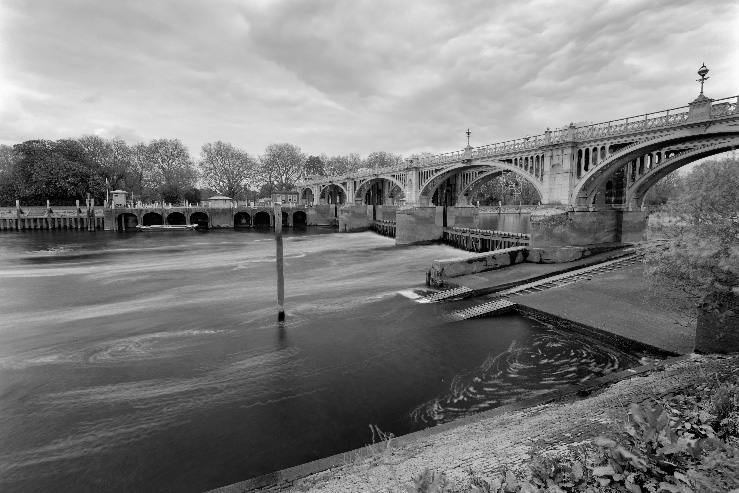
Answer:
(152, 361)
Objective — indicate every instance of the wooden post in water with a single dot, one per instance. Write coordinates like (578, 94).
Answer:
(280, 272)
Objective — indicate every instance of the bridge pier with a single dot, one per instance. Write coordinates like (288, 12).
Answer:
(554, 227)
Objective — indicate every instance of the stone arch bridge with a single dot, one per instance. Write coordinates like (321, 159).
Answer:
(586, 167)
(605, 169)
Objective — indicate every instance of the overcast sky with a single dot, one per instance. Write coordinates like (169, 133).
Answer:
(341, 76)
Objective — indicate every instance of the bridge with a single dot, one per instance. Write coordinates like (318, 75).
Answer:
(586, 167)
(605, 169)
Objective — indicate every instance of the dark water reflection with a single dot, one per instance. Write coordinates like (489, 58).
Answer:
(132, 362)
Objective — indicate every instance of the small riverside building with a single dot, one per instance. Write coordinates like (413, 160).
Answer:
(220, 202)
(118, 198)
(285, 197)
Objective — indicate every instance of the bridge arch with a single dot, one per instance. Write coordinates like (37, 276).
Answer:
(201, 219)
(637, 191)
(126, 221)
(152, 219)
(176, 218)
(430, 187)
(325, 189)
(300, 219)
(306, 195)
(262, 219)
(242, 220)
(585, 189)
(362, 189)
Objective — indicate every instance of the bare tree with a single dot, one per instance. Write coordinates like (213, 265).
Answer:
(227, 169)
(282, 165)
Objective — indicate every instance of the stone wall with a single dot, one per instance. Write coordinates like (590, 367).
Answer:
(556, 227)
(383, 212)
(455, 267)
(221, 218)
(418, 225)
(321, 215)
(354, 218)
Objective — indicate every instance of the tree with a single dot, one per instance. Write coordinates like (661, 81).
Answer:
(342, 165)
(109, 158)
(282, 165)
(55, 171)
(172, 169)
(664, 190)
(8, 187)
(314, 166)
(226, 169)
(698, 255)
(383, 159)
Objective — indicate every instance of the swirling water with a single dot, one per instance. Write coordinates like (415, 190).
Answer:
(152, 361)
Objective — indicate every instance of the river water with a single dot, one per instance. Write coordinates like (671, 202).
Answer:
(153, 362)
(512, 223)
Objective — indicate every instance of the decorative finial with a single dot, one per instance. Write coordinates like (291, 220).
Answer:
(702, 72)
(468, 136)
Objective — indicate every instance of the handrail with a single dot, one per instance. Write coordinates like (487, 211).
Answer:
(583, 132)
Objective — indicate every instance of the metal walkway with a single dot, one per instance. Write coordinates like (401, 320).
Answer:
(566, 278)
(449, 293)
(489, 308)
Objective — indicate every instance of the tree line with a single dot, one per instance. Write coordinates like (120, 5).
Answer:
(163, 170)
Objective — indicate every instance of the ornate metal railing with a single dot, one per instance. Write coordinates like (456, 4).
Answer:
(720, 108)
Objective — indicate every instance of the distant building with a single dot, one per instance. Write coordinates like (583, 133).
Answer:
(118, 198)
(220, 202)
(285, 197)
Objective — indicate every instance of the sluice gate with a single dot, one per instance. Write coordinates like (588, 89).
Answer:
(385, 228)
(481, 240)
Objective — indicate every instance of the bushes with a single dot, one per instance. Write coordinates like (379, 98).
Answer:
(686, 443)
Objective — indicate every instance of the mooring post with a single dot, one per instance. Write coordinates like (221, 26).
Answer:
(280, 272)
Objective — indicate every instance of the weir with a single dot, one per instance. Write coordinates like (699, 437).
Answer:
(20, 218)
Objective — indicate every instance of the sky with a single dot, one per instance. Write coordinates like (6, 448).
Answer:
(342, 76)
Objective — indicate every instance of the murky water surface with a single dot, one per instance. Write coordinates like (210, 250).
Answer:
(152, 361)
(512, 223)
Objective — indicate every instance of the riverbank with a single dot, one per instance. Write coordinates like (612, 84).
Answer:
(504, 439)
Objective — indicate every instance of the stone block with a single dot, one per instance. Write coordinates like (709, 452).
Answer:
(354, 218)
(463, 217)
(418, 225)
(556, 227)
(321, 215)
(444, 269)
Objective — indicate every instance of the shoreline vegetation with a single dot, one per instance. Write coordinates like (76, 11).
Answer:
(671, 428)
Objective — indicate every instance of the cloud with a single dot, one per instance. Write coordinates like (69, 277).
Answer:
(361, 76)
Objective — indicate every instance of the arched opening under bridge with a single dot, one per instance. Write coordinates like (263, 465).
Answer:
(262, 219)
(176, 219)
(152, 219)
(201, 219)
(300, 219)
(126, 221)
(333, 194)
(307, 196)
(242, 220)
